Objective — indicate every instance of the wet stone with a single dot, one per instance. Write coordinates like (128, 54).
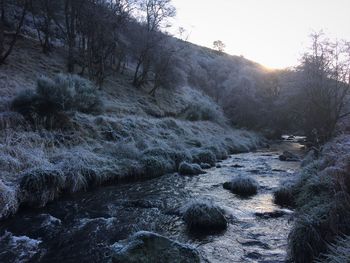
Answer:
(148, 247)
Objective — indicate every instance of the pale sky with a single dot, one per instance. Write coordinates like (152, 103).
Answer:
(271, 32)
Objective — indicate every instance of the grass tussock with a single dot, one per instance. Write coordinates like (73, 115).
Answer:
(8, 200)
(284, 196)
(190, 169)
(243, 186)
(338, 252)
(204, 216)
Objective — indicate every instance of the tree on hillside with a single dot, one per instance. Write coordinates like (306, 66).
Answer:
(44, 13)
(219, 45)
(166, 64)
(68, 27)
(325, 72)
(7, 48)
(98, 27)
(155, 15)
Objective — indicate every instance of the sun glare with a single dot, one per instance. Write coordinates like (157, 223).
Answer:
(270, 32)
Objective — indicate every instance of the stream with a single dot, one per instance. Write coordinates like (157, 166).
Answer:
(80, 228)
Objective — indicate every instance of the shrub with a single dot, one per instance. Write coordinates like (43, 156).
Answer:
(69, 92)
(204, 215)
(64, 93)
(59, 92)
(243, 186)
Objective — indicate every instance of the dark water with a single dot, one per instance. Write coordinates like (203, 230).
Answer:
(82, 227)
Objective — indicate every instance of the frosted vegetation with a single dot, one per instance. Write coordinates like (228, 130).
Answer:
(202, 216)
(65, 135)
(243, 186)
(321, 196)
(338, 252)
(146, 103)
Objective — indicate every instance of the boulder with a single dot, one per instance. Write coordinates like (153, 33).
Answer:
(273, 214)
(205, 166)
(190, 169)
(289, 157)
(148, 247)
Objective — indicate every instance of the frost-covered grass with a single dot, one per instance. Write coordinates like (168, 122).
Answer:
(103, 148)
(136, 136)
(322, 198)
(339, 252)
(285, 195)
(243, 186)
(8, 200)
(204, 215)
(202, 108)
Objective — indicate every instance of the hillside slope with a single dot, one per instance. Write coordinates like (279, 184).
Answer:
(135, 136)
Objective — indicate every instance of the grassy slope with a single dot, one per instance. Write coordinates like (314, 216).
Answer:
(136, 136)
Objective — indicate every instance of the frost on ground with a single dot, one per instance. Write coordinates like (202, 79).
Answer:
(322, 199)
(132, 136)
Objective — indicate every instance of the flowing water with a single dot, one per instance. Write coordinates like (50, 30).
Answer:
(81, 228)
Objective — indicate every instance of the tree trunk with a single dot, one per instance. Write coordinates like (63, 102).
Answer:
(2, 38)
(136, 74)
(70, 59)
(4, 54)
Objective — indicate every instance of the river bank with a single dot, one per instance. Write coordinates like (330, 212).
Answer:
(84, 227)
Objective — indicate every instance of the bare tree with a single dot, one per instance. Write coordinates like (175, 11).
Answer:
(154, 17)
(326, 74)
(43, 14)
(166, 65)
(68, 26)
